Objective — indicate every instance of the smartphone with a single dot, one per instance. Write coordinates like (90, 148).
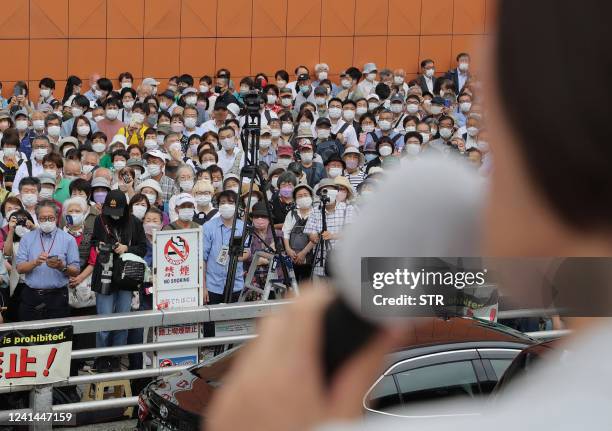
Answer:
(54, 257)
(447, 103)
(17, 90)
(127, 178)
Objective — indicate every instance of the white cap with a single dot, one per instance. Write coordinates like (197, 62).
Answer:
(150, 81)
(151, 183)
(156, 153)
(119, 138)
(369, 67)
(184, 198)
(234, 109)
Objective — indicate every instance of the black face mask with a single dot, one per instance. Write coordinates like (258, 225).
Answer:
(217, 89)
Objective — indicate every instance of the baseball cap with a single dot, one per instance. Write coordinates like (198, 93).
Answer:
(151, 183)
(397, 98)
(219, 105)
(168, 94)
(115, 203)
(135, 162)
(46, 179)
(286, 90)
(304, 143)
(150, 81)
(233, 108)
(4, 114)
(303, 77)
(100, 182)
(284, 150)
(369, 67)
(266, 130)
(437, 101)
(119, 138)
(319, 89)
(157, 154)
(20, 112)
(184, 198)
(322, 121)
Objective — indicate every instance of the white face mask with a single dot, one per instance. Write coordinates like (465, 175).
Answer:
(472, 131)
(128, 104)
(396, 108)
(227, 211)
(151, 198)
(306, 157)
(371, 76)
(151, 144)
(398, 80)
(287, 128)
(190, 122)
(119, 164)
(217, 185)
(87, 168)
(98, 118)
(112, 114)
(335, 172)
(139, 211)
(46, 193)
(207, 164)
(465, 107)
(154, 170)
(126, 84)
(10, 151)
(304, 202)
(98, 147)
(83, 130)
(203, 200)
(446, 133)
(436, 110)
(412, 108)
(21, 125)
(323, 133)
(275, 133)
(271, 99)
(38, 124)
(413, 149)
(430, 72)
(40, 153)
(410, 128)
(385, 150)
(348, 114)
(322, 75)
(186, 185)
(203, 88)
(361, 110)
(368, 128)
(335, 113)
(464, 67)
(76, 111)
(77, 219)
(372, 106)
(286, 101)
(320, 101)
(51, 172)
(347, 83)
(21, 230)
(191, 100)
(185, 214)
(265, 143)
(228, 143)
(331, 194)
(45, 92)
(384, 125)
(54, 131)
(47, 226)
(149, 228)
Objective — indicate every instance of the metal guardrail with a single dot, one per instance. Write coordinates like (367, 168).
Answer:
(154, 318)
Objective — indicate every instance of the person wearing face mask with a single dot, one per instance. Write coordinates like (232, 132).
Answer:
(185, 211)
(285, 156)
(305, 93)
(341, 130)
(232, 182)
(320, 96)
(247, 199)
(337, 217)
(203, 192)
(10, 157)
(217, 237)
(464, 108)
(427, 80)
(24, 131)
(282, 199)
(413, 147)
(185, 180)
(384, 149)
(139, 205)
(346, 193)
(231, 158)
(48, 257)
(111, 123)
(128, 99)
(385, 129)
(190, 120)
(349, 83)
(9, 205)
(134, 131)
(123, 233)
(334, 166)
(297, 244)
(367, 85)
(460, 75)
(397, 108)
(152, 191)
(79, 106)
(271, 94)
(446, 130)
(33, 167)
(472, 131)
(354, 161)
(266, 153)
(38, 122)
(156, 163)
(313, 169)
(47, 87)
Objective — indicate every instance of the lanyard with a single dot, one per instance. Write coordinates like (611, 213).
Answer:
(52, 242)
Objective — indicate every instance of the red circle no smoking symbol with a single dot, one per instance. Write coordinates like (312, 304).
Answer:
(176, 250)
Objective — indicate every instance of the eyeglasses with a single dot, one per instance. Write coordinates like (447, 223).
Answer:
(45, 219)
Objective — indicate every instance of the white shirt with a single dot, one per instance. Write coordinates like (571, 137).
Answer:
(209, 126)
(226, 161)
(22, 172)
(430, 85)
(350, 136)
(367, 87)
(198, 131)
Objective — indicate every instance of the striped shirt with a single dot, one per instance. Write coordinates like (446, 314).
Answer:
(336, 220)
(356, 178)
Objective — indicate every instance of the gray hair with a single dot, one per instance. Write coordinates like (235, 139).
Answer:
(184, 166)
(41, 138)
(46, 203)
(75, 200)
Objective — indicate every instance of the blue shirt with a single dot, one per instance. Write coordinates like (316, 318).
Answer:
(57, 243)
(216, 235)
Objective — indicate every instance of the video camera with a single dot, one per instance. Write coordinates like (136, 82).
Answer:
(105, 258)
(252, 102)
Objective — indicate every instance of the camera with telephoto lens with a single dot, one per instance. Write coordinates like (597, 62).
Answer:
(105, 258)
(252, 102)
(323, 197)
(21, 221)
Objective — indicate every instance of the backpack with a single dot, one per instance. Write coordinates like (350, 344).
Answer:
(330, 148)
(297, 238)
(376, 138)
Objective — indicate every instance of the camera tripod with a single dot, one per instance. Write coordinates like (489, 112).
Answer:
(323, 246)
(250, 144)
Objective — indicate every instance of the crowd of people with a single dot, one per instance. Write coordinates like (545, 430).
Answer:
(89, 175)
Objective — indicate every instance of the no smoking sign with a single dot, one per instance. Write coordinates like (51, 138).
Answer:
(176, 250)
